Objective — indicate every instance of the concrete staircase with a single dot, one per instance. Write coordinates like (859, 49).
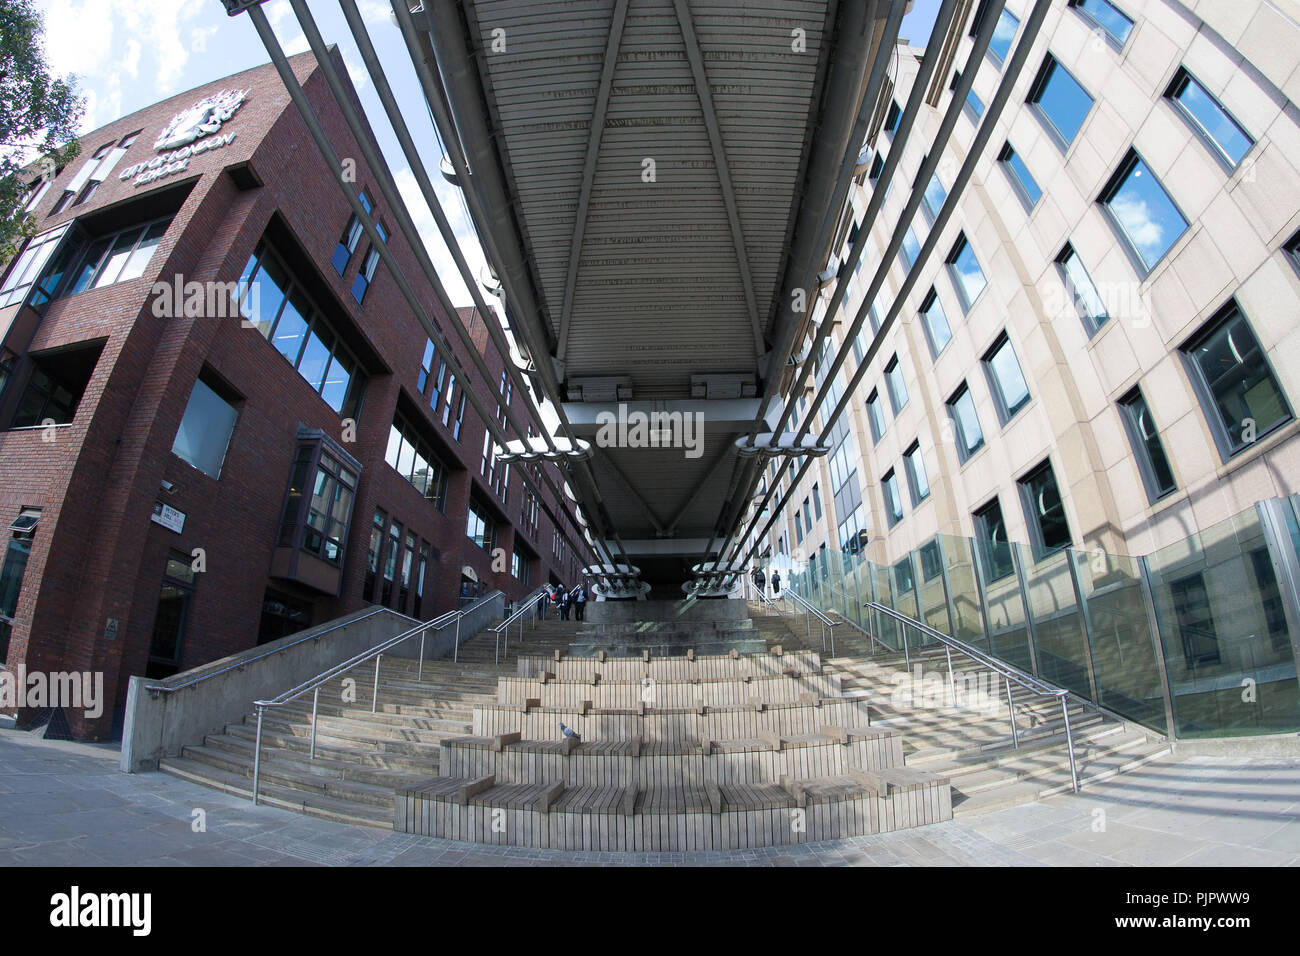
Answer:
(361, 758)
(366, 761)
(971, 744)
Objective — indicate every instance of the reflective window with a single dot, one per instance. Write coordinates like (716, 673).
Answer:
(1082, 291)
(966, 424)
(911, 248)
(893, 500)
(1025, 184)
(876, 415)
(1112, 21)
(1003, 34)
(1006, 381)
(937, 331)
(1045, 511)
(204, 434)
(1143, 211)
(1208, 117)
(967, 276)
(1060, 101)
(1240, 395)
(895, 384)
(918, 483)
(1148, 451)
(994, 547)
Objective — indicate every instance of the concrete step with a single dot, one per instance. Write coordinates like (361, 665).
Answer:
(350, 763)
(298, 739)
(312, 804)
(374, 735)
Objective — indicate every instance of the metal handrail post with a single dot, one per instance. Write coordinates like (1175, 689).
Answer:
(315, 701)
(832, 630)
(952, 685)
(419, 674)
(455, 654)
(907, 654)
(1011, 709)
(257, 755)
(374, 697)
(1069, 741)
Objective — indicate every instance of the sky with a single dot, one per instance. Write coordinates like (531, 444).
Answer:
(129, 54)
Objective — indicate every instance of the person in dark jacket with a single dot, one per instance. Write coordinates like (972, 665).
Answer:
(760, 580)
(580, 601)
(565, 601)
(541, 605)
(776, 582)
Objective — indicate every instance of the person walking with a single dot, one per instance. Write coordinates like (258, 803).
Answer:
(541, 604)
(580, 601)
(760, 580)
(564, 604)
(776, 582)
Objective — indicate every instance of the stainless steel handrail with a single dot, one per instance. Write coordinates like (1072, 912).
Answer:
(314, 684)
(809, 611)
(525, 605)
(1009, 673)
(168, 688)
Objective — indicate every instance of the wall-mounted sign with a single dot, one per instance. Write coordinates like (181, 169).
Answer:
(168, 517)
(190, 132)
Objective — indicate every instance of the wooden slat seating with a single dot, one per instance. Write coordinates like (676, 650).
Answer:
(628, 763)
(688, 725)
(703, 667)
(665, 695)
(734, 751)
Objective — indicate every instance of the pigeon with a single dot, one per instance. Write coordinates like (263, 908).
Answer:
(568, 732)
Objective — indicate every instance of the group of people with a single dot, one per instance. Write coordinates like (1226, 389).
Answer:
(563, 600)
(760, 580)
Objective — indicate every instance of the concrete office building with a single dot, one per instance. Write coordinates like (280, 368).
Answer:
(1103, 351)
(183, 475)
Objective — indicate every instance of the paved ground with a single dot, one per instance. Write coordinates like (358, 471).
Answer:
(67, 804)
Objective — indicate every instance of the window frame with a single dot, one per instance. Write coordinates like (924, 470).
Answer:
(1033, 518)
(1042, 80)
(1006, 158)
(888, 485)
(1113, 185)
(1228, 448)
(927, 304)
(961, 245)
(1183, 78)
(911, 458)
(1116, 43)
(1127, 405)
(894, 364)
(1005, 412)
(1091, 324)
(964, 453)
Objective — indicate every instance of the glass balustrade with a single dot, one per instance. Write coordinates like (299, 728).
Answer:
(1199, 631)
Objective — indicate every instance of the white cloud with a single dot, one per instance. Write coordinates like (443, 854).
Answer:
(1135, 216)
(131, 61)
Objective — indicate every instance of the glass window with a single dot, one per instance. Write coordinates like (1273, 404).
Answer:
(904, 579)
(1082, 291)
(994, 547)
(1006, 381)
(1242, 399)
(917, 481)
(1026, 186)
(1114, 23)
(965, 423)
(365, 275)
(480, 528)
(347, 244)
(876, 415)
(1143, 211)
(57, 383)
(1208, 117)
(372, 554)
(1149, 453)
(283, 312)
(1003, 34)
(169, 620)
(897, 387)
(1060, 101)
(937, 331)
(911, 248)
(1044, 510)
(205, 430)
(933, 198)
(892, 118)
(1195, 620)
(967, 276)
(413, 458)
(893, 500)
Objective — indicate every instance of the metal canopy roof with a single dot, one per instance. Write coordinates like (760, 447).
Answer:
(653, 179)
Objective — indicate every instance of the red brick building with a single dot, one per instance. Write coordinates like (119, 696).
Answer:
(183, 477)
